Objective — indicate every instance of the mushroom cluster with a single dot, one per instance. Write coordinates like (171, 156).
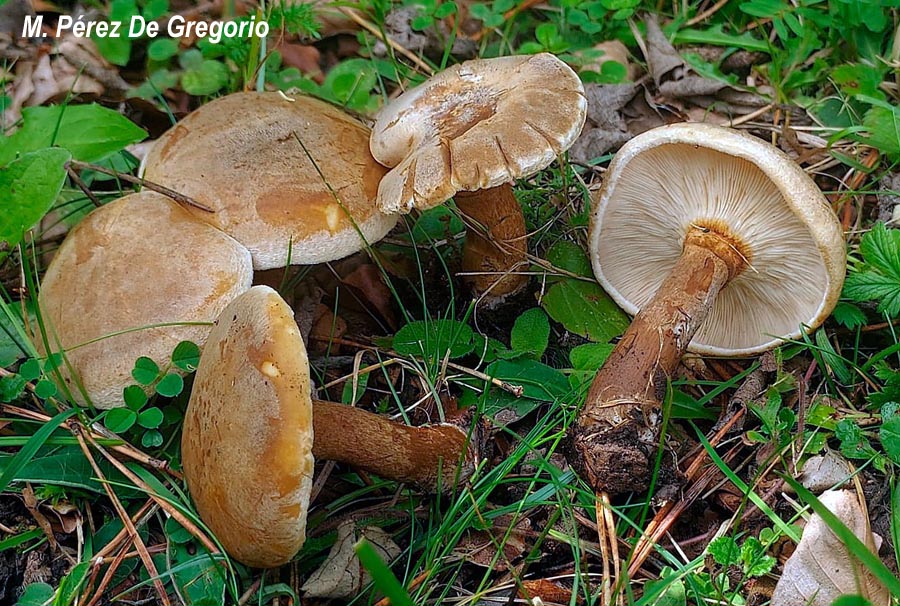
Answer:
(288, 181)
(721, 245)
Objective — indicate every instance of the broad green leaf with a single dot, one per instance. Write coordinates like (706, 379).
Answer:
(186, 356)
(26, 453)
(570, 257)
(36, 594)
(889, 434)
(170, 385)
(883, 125)
(539, 381)
(725, 551)
(152, 439)
(30, 185)
(590, 356)
(120, 420)
(531, 333)
(434, 338)
(199, 577)
(209, 77)
(145, 370)
(90, 132)
(162, 49)
(135, 397)
(71, 584)
(878, 278)
(584, 309)
(150, 418)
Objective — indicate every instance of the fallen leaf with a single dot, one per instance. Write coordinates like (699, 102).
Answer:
(342, 575)
(546, 591)
(822, 472)
(821, 568)
(480, 547)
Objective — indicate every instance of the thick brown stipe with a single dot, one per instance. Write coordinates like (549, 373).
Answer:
(492, 259)
(616, 435)
(434, 457)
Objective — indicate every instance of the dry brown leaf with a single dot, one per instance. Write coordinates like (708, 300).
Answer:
(342, 575)
(821, 568)
(479, 547)
(369, 283)
(546, 591)
(823, 472)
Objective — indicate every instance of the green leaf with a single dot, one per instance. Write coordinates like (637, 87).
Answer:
(30, 185)
(90, 132)
(170, 385)
(883, 124)
(150, 418)
(68, 467)
(30, 369)
(45, 389)
(753, 555)
(590, 356)
(145, 370)
(539, 381)
(120, 420)
(889, 434)
(71, 584)
(878, 278)
(177, 533)
(725, 551)
(849, 315)
(199, 577)
(152, 439)
(433, 339)
(36, 594)
(585, 309)
(11, 387)
(135, 397)
(207, 78)
(186, 356)
(27, 452)
(531, 333)
(570, 257)
(162, 49)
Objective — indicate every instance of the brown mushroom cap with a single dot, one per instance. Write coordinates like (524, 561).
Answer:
(672, 178)
(243, 156)
(138, 261)
(248, 458)
(476, 125)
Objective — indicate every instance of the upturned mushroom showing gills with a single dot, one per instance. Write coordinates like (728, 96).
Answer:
(721, 245)
(134, 278)
(251, 431)
(290, 179)
(469, 132)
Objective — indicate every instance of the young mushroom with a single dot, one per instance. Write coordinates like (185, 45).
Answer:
(469, 132)
(290, 179)
(248, 442)
(134, 278)
(721, 245)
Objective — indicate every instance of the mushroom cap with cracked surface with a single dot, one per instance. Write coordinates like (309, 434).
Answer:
(290, 179)
(476, 125)
(247, 437)
(664, 181)
(126, 269)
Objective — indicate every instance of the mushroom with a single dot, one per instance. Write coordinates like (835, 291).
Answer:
(721, 245)
(468, 132)
(133, 279)
(247, 442)
(290, 179)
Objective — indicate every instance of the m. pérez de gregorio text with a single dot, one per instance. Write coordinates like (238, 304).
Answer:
(137, 26)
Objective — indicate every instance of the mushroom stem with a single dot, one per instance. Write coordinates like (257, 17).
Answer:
(434, 457)
(616, 435)
(490, 258)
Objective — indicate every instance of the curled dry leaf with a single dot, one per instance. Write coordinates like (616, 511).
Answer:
(480, 547)
(823, 472)
(342, 575)
(822, 568)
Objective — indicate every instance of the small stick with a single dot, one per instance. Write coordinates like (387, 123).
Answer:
(73, 174)
(372, 29)
(178, 197)
(76, 430)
